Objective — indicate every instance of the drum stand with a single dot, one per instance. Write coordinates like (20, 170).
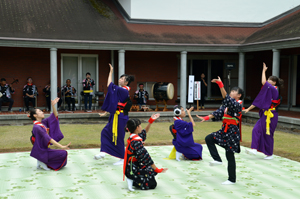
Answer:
(163, 102)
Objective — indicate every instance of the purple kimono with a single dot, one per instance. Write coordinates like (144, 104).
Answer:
(53, 158)
(184, 142)
(115, 95)
(260, 140)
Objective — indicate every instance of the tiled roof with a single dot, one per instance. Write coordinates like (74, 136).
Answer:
(100, 20)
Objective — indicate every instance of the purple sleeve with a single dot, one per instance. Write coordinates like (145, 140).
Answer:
(264, 98)
(113, 96)
(111, 99)
(42, 136)
(54, 129)
(183, 127)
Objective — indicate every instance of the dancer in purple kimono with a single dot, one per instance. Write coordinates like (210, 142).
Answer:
(117, 102)
(228, 136)
(139, 167)
(46, 132)
(184, 142)
(267, 101)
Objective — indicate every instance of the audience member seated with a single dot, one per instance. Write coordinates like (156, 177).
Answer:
(5, 94)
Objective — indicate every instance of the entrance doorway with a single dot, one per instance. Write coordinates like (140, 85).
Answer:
(75, 67)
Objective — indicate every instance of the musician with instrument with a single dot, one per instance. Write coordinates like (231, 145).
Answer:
(5, 94)
(70, 94)
(47, 91)
(30, 92)
(88, 85)
(141, 95)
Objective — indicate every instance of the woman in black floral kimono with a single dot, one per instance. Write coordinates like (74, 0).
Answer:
(139, 167)
(229, 135)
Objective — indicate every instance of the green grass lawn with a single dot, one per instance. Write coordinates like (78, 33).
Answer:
(16, 138)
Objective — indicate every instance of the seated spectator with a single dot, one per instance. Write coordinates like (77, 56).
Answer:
(141, 95)
(29, 92)
(5, 94)
(70, 94)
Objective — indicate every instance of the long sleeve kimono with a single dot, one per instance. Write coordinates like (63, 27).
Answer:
(111, 143)
(184, 142)
(262, 133)
(138, 163)
(53, 158)
(228, 136)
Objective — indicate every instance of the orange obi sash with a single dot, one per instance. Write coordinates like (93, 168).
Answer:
(227, 120)
(131, 158)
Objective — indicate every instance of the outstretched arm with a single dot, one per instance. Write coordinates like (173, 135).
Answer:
(53, 102)
(151, 120)
(109, 80)
(263, 75)
(59, 145)
(189, 113)
(249, 109)
(205, 118)
(221, 85)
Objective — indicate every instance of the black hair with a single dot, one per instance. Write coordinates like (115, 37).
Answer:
(132, 124)
(279, 82)
(67, 80)
(141, 84)
(128, 78)
(32, 112)
(88, 73)
(240, 91)
(3, 79)
(29, 78)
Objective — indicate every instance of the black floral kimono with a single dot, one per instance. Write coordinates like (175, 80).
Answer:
(228, 136)
(138, 162)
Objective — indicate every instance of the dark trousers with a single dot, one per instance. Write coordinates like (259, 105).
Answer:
(202, 100)
(210, 142)
(11, 102)
(27, 100)
(70, 100)
(48, 100)
(86, 98)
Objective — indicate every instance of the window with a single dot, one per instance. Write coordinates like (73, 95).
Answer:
(148, 88)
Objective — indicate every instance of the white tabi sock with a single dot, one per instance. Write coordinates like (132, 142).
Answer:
(99, 156)
(178, 155)
(251, 151)
(120, 162)
(228, 182)
(215, 163)
(269, 157)
(38, 165)
(43, 165)
(130, 183)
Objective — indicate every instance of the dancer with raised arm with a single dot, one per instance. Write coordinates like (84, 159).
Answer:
(267, 100)
(184, 142)
(228, 136)
(46, 132)
(117, 102)
(139, 167)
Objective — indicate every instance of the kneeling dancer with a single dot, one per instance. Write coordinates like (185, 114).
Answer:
(184, 141)
(139, 167)
(228, 136)
(46, 132)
